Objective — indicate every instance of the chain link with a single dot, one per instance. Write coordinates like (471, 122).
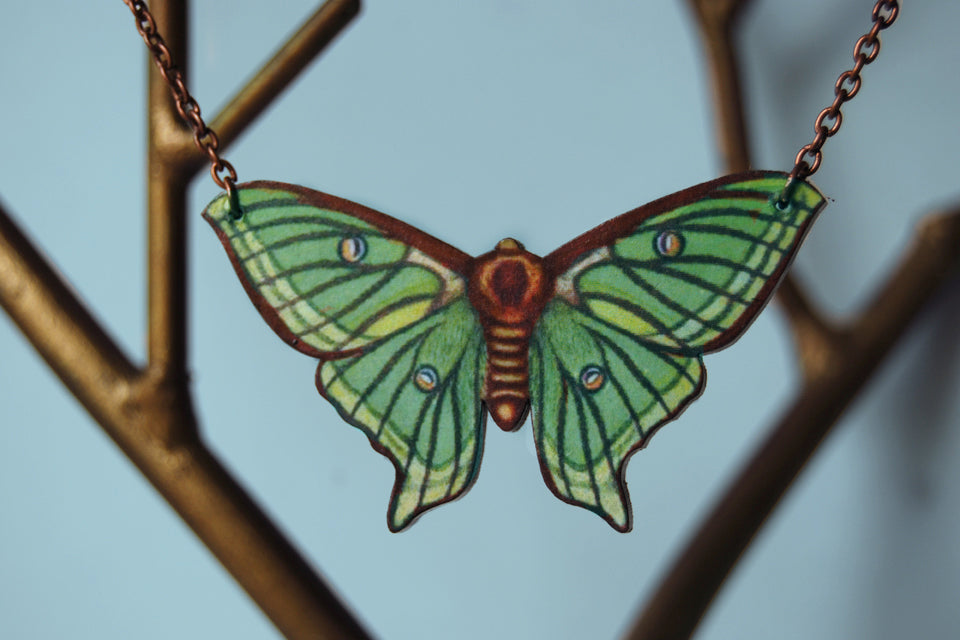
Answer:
(221, 171)
(848, 85)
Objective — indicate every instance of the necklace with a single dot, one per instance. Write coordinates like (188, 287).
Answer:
(603, 338)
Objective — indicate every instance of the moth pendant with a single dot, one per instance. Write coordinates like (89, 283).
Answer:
(603, 338)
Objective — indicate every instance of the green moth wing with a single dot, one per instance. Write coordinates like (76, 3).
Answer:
(617, 352)
(330, 275)
(383, 306)
(692, 270)
(598, 392)
(417, 397)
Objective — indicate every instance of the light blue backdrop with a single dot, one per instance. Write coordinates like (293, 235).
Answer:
(475, 121)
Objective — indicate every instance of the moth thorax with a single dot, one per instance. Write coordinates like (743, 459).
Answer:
(508, 284)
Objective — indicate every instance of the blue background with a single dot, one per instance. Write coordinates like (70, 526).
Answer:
(475, 121)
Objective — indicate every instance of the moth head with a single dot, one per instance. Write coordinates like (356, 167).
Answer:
(509, 245)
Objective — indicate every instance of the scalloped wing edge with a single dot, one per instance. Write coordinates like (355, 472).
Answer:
(620, 478)
(399, 474)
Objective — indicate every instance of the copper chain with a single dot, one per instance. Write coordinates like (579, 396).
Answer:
(221, 171)
(848, 85)
(807, 162)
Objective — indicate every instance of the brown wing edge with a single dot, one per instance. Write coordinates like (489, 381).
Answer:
(449, 256)
(732, 334)
(558, 261)
(622, 470)
(398, 469)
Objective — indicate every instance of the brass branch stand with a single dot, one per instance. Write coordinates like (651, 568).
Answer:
(148, 410)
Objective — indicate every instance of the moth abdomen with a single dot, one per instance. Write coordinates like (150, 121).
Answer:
(506, 388)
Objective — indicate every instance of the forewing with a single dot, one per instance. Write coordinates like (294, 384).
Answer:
(416, 395)
(690, 272)
(598, 393)
(329, 275)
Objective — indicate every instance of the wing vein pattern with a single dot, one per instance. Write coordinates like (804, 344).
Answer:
(618, 351)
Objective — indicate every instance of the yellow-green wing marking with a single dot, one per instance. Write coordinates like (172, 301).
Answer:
(326, 279)
(417, 397)
(598, 393)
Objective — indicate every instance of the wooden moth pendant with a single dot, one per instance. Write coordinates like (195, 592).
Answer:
(602, 338)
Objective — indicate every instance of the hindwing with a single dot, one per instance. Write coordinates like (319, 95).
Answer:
(598, 393)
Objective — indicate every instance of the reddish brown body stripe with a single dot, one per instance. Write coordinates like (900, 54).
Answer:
(507, 362)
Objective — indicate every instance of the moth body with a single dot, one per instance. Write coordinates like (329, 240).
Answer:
(508, 288)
